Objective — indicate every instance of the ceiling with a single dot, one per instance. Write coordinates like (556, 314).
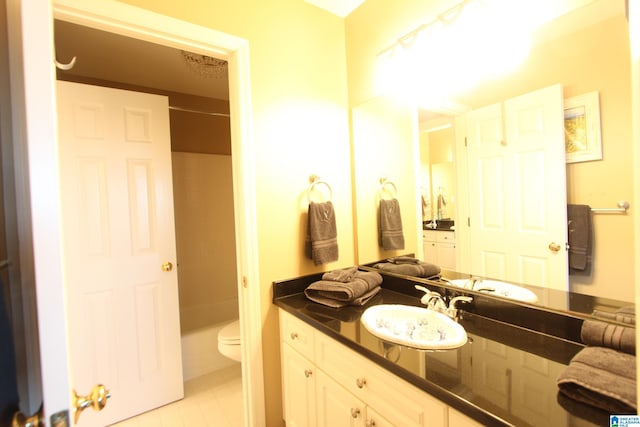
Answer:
(107, 56)
(342, 8)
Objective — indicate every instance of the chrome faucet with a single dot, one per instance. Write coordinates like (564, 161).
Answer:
(472, 282)
(434, 301)
(452, 310)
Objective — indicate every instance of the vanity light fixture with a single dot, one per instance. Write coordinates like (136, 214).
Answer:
(473, 41)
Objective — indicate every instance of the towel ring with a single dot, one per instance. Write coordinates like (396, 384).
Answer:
(315, 181)
(384, 182)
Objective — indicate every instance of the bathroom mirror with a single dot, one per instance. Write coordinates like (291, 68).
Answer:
(568, 51)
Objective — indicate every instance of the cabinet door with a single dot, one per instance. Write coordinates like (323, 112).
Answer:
(430, 253)
(298, 385)
(446, 255)
(457, 419)
(376, 420)
(336, 406)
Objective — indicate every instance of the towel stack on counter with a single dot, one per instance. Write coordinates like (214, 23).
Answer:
(343, 287)
(409, 266)
(603, 374)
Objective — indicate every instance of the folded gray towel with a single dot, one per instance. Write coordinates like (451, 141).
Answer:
(330, 301)
(390, 235)
(623, 315)
(341, 275)
(579, 224)
(404, 265)
(363, 286)
(603, 334)
(403, 260)
(321, 243)
(601, 377)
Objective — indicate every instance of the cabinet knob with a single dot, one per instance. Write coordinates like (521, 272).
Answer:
(308, 373)
(361, 382)
(355, 412)
(370, 423)
(294, 335)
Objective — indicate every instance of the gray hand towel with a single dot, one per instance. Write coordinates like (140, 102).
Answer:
(406, 267)
(601, 377)
(341, 275)
(358, 291)
(580, 248)
(390, 235)
(603, 334)
(321, 243)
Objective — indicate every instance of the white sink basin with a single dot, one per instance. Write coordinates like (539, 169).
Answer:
(415, 327)
(498, 288)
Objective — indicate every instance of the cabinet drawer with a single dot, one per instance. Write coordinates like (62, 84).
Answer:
(446, 236)
(394, 399)
(430, 235)
(297, 334)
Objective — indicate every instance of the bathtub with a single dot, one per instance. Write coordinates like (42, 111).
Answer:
(200, 352)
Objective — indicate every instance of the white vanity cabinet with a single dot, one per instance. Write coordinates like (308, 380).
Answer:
(336, 407)
(458, 419)
(298, 371)
(298, 388)
(327, 384)
(440, 248)
(397, 401)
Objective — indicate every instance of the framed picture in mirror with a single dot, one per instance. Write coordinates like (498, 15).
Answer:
(583, 140)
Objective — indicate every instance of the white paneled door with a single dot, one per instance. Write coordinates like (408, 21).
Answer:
(518, 199)
(119, 248)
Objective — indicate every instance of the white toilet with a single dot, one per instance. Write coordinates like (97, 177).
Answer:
(229, 341)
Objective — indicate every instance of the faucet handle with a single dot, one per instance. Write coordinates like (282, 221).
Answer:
(428, 294)
(461, 298)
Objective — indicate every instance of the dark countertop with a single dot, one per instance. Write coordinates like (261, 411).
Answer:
(504, 376)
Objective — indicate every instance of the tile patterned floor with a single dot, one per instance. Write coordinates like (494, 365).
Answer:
(212, 400)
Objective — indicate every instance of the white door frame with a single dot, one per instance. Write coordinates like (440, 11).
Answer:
(35, 53)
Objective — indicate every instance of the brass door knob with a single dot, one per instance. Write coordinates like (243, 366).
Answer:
(97, 399)
(554, 247)
(167, 266)
(36, 420)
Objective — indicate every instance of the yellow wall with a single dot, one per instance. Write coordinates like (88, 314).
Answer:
(205, 240)
(384, 136)
(300, 127)
(595, 59)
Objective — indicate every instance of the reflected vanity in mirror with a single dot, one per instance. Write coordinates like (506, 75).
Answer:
(583, 51)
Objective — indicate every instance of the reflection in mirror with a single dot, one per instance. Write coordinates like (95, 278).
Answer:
(585, 51)
(437, 174)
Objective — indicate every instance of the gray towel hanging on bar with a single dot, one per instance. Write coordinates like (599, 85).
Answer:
(580, 242)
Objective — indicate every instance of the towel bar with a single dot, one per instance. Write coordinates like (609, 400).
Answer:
(623, 205)
(385, 182)
(314, 181)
